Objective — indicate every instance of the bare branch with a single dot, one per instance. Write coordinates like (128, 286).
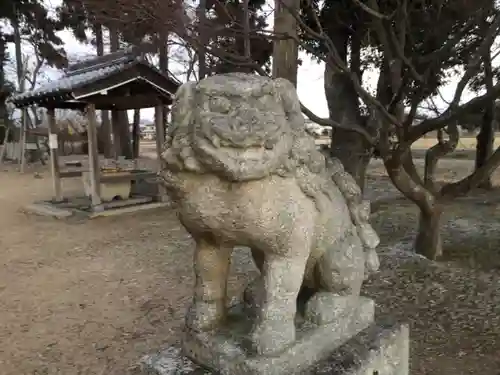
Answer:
(474, 65)
(404, 183)
(334, 124)
(400, 53)
(466, 184)
(436, 152)
(374, 11)
(451, 114)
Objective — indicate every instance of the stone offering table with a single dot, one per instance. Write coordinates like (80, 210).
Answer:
(113, 184)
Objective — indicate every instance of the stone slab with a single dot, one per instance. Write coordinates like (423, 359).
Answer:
(226, 351)
(377, 350)
(169, 361)
(128, 209)
(46, 209)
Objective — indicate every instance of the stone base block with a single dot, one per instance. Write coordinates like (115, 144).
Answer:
(377, 350)
(226, 351)
(109, 190)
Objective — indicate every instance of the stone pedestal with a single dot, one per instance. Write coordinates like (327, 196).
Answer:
(377, 350)
(226, 350)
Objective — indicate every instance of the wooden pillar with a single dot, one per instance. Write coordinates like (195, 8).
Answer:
(22, 141)
(94, 165)
(286, 51)
(160, 139)
(54, 155)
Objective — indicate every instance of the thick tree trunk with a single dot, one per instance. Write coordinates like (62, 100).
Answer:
(125, 135)
(163, 53)
(343, 105)
(21, 81)
(105, 130)
(411, 169)
(136, 133)
(203, 40)
(428, 242)
(286, 51)
(486, 136)
(4, 117)
(120, 124)
(484, 148)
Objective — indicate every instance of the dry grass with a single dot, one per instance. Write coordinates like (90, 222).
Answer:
(453, 306)
(465, 149)
(465, 143)
(91, 298)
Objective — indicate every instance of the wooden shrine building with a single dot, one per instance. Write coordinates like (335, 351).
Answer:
(121, 80)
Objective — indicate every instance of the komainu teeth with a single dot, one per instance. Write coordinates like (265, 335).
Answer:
(215, 141)
(269, 144)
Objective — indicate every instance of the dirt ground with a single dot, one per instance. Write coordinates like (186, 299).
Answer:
(85, 298)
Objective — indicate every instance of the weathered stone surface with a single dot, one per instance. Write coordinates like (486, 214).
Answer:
(227, 349)
(168, 362)
(325, 308)
(244, 172)
(377, 350)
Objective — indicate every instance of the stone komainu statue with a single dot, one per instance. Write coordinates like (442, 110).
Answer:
(243, 171)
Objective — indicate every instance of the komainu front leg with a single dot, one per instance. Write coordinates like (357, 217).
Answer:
(341, 268)
(341, 273)
(211, 267)
(280, 282)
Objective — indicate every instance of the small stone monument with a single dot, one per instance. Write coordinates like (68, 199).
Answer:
(244, 172)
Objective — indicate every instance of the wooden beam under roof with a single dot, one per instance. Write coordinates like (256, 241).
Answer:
(108, 102)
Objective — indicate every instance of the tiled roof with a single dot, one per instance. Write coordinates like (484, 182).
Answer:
(86, 72)
(68, 83)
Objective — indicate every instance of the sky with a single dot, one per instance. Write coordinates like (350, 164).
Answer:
(309, 86)
(310, 77)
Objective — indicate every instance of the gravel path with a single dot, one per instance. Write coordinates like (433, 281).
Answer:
(93, 297)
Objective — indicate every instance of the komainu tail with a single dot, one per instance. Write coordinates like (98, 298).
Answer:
(359, 209)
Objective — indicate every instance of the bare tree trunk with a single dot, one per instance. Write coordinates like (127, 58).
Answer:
(115, 120)
(246, 31)
(105, 128)
(428, 242)
(484, 148)
(202, 62)
(21, 85)
(136, 133)
(163, 52)
(4, 116)
(486, 136)
(121, 127)
(285, 51)
(32, 124)
(4, 143)
(411, 169)
(125, 135)
(343, 105)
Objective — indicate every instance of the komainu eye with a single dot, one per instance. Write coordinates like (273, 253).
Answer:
(220, 105)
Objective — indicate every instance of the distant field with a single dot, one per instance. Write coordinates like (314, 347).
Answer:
(465, 143)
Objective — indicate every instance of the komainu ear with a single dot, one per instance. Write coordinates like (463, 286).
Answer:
(183, 105)
(291, 103)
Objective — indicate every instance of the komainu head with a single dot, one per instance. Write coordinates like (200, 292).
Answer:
(239, 126)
